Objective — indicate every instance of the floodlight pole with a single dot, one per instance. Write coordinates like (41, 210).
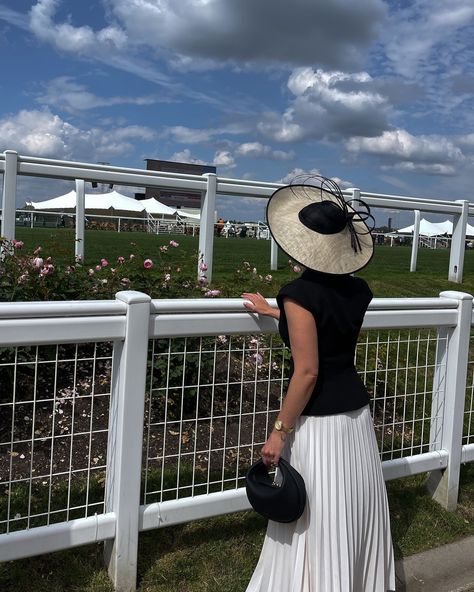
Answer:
(80, 220)
(9, 194)
(458, 243)
(416, 240)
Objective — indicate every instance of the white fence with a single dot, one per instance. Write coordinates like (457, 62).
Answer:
(129, 415)
(209, 185)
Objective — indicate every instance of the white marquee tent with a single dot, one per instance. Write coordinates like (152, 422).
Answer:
(435, 229)
(103, 202)
(93, 201)
(153, 206)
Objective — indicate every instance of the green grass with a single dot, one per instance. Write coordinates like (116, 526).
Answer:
(388, 273)
(219, 554)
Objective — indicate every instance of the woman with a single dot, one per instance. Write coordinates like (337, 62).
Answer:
(342, 542)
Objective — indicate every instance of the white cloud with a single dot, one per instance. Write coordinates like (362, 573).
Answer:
(109, 45)
(186, 156)
(191, 34)
(402, 145)
(64, 36)
(186, 135)
(42, 133)
(223, 159)
(189, 135)
(13, 18)
(258, 150)
(66, 94)
(299, 175)
(414, 32)
(420, 154)
(419, 167)
(466, 140)
(265, 31)
(327, 105)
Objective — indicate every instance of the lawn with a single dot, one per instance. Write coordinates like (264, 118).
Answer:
(388, 273)
(219, 554)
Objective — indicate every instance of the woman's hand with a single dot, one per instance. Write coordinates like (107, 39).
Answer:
(257, 303)
(273, 447)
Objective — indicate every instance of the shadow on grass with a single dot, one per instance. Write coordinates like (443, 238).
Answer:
(220, 554)
(76, 570)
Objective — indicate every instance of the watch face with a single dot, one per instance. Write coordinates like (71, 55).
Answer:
(278, 424)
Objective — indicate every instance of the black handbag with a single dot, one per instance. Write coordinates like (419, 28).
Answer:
(282, 502)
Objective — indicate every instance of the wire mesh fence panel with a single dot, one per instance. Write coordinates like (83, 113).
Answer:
(211, 401)
(208, 408)
(468, 431)
(54, 405)
(398, 368)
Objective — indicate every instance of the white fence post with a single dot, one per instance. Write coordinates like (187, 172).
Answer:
(449, 393)
(80, 220)
(415, 242)
(355, 195)
(206, 231)
(273, 254)
(9, 194)
(458, 243)
(125, 440)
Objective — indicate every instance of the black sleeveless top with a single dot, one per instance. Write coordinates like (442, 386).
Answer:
(338, 304)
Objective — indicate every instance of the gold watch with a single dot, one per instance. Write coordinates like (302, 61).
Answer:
(281, 427)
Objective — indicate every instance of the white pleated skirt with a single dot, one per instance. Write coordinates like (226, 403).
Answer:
(342, 542)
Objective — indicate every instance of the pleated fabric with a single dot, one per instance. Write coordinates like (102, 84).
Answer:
(342, 542)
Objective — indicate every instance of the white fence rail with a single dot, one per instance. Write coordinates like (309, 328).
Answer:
(128, 415)
(209, 185)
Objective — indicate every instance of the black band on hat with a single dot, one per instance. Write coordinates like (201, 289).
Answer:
(325, 217)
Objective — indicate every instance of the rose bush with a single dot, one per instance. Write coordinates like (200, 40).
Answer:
(35, 275)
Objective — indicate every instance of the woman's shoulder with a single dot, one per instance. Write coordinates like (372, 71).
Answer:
(360, 282)
(291, 288)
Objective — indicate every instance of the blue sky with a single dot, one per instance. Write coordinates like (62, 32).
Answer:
(377, 95)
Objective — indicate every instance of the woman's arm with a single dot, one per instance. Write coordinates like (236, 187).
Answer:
(304, 350)
(257, 303)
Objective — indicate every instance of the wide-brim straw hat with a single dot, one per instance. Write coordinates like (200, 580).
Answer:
(319, 230)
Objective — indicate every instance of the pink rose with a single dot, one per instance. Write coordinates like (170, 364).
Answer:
(121, 260)
(17, 244)
(163, 248)
(38, 262)
(104, 262)
(296, 268)
(203, 266)
(212, 293)
(47, 270)
(174, 243)
(98, 267)
(148, 264)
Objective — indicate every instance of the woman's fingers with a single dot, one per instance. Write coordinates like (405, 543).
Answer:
(256, 302)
